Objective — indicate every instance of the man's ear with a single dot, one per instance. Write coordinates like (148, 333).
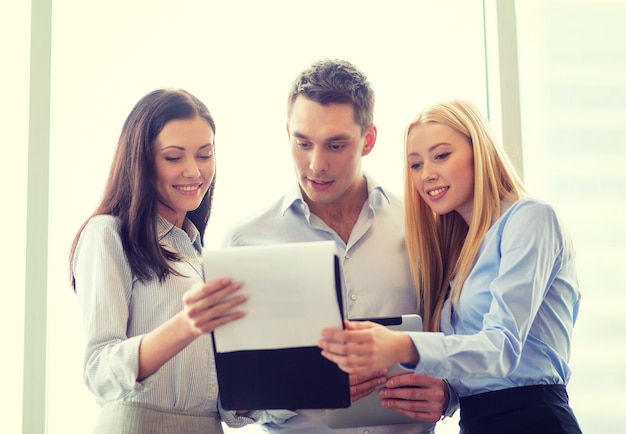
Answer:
(370, 140)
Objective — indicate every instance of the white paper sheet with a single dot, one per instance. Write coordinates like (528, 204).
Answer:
(291, 294)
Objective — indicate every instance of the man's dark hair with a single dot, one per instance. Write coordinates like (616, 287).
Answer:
(336, 82)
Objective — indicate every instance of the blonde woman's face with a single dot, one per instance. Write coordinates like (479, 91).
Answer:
(441, 166)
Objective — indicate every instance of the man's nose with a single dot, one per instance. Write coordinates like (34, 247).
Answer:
(318, 161)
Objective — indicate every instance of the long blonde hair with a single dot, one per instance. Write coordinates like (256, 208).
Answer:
(443, 247)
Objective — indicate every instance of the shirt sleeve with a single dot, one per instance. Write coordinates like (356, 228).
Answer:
(500, 299)
(103, 285)
(453, 403)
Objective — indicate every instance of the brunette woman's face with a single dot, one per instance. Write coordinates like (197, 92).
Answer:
(185, 166)
(441, 165)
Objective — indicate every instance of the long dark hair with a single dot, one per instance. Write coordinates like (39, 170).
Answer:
(131, 193)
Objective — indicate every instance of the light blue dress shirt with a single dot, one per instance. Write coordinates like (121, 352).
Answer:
(117, 310)
(377, 278)
(513, 324)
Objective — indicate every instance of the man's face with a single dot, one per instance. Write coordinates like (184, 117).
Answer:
(327, 147)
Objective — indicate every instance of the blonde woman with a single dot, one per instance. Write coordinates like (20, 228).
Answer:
(496, 271)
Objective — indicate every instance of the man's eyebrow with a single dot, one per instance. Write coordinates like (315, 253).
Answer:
(329, 139)
(338, 137)
(299, 135)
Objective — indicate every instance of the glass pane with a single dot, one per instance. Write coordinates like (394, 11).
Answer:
(573, 75)
(240, 58)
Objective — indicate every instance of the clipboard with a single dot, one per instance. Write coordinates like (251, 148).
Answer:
(268, 376)
(367, 411)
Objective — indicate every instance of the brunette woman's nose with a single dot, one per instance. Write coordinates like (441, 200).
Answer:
(191, 169)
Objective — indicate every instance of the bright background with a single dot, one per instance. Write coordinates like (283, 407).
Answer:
(239, 57)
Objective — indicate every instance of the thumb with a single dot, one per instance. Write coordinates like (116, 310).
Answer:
(358, 325)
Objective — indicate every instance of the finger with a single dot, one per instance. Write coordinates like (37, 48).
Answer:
(423, 410)
(212, 297)
(347, 349)
(358, 325)
(418, 415)
(203, 311)
(350, 364)
(357, 379)
(336, 335)
(354, 397)
(405, 393)
(429, 399)
(200, 290)
(193, 293)
(363, 388)
(214, 322)
(411, 379)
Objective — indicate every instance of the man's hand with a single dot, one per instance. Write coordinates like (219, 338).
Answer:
(417, 396)
(363, 385)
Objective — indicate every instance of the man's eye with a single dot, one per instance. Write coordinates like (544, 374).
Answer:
(302, 144)
(336, 147)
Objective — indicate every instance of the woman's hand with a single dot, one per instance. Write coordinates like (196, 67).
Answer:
(209, 305)
(364, 347)
(206, 306)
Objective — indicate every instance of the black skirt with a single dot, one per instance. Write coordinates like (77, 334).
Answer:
(519, 410)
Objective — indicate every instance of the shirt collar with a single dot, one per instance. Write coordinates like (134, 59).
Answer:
(164, 227)
(376, 196)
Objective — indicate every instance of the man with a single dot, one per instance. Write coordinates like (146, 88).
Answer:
(330, 128)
